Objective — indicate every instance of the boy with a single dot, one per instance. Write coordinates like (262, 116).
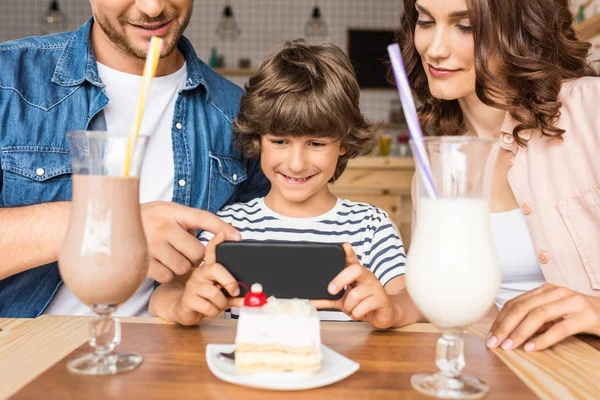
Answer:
(300, 115)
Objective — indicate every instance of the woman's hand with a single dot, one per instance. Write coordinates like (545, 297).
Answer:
(365, 298)
(552, 312)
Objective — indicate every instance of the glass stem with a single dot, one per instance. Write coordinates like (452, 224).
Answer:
(105, 333)
(450, 358)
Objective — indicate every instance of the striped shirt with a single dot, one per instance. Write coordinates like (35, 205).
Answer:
(368, 229)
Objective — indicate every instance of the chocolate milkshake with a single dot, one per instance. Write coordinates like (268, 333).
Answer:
(103, 258)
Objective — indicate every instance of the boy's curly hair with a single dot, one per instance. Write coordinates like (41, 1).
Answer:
(304, 90)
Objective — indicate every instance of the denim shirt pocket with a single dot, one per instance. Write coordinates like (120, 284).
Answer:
(35, 174)
(581, 214)
(226, 173)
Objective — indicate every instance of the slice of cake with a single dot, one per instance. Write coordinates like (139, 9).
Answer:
(277, 335)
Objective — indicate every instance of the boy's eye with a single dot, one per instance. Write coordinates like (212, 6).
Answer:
(464, 28)
(278, 141)
(316, 144)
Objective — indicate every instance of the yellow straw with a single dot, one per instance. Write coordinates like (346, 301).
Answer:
(149, 72)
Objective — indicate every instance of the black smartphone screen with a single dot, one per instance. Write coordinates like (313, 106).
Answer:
(284, 269)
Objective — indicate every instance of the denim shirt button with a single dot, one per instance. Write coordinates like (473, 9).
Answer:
(40, 171)
(178, 125)
(234, 177)
(181, 182)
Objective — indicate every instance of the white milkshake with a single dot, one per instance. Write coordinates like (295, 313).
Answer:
(452, 272)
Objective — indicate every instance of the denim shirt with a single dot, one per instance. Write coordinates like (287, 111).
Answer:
(49, 86)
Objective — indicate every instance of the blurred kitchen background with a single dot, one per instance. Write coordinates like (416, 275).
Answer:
(233, 36)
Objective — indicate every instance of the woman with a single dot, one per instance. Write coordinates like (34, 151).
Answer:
(514, 70)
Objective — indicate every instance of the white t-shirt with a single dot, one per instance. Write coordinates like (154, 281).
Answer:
(368, 229)
(518, 262)
(157, 178)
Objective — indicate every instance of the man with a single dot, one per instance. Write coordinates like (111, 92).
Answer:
(89, 80)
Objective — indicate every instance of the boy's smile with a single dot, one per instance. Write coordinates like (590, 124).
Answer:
(293, 180)
(299, 169)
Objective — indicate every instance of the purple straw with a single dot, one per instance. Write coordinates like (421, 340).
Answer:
(410, 112)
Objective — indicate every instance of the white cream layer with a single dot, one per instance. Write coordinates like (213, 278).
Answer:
(276, 358)
(258, 327)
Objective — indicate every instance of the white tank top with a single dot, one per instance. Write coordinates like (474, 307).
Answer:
(518, 262)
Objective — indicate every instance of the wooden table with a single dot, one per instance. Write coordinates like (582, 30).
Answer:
(33, 353)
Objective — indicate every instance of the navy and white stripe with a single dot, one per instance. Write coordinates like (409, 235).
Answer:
(369, 229)
(372, 234)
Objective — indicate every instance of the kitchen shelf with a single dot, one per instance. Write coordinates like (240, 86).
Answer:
(382, 162)
(400, 126)
(384, 182)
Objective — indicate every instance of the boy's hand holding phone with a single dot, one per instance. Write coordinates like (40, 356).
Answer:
(202, 295)
(365, 298)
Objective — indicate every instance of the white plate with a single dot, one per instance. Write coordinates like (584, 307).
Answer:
(334, 368)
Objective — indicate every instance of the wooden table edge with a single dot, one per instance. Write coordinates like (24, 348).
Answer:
(10, 326)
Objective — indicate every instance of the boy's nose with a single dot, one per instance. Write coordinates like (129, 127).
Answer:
(297, 161)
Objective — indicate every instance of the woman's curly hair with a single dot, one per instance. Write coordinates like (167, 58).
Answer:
(535, 47)
(304, 90)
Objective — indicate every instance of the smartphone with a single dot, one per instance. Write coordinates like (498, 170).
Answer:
(284, 269)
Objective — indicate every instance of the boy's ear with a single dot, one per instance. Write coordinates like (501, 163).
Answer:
(343, 150)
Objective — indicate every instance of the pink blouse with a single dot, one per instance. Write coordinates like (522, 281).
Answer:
(557, 186)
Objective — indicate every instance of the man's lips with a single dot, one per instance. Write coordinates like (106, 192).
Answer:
(441, 72)
(156, 29)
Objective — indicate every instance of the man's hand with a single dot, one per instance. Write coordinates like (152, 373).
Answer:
(365, 299)
(202, 296)
(551, 311)
(170, 230)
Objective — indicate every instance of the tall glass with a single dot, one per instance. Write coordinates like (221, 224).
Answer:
(103, 258)
(452, 271)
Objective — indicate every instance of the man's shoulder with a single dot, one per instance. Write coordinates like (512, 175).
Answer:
(40, 52)
(223, 94)
(215, 81)
(22, 58)
(32, 43)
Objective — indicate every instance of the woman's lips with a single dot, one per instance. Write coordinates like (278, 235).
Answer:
(441, 72)
(152, 30)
